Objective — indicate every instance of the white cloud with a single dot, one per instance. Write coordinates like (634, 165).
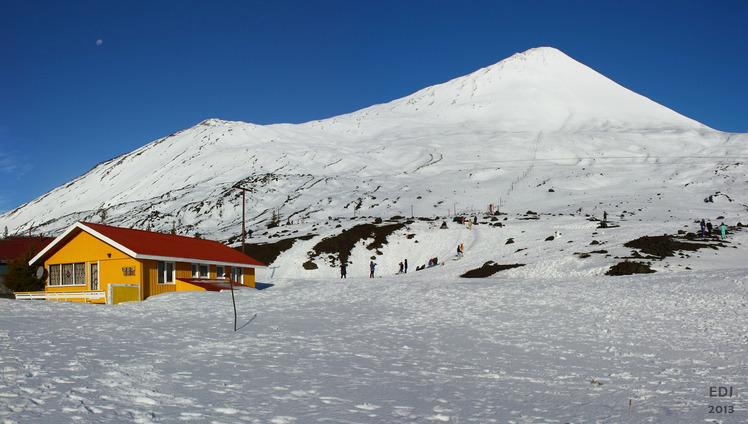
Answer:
(9, 164)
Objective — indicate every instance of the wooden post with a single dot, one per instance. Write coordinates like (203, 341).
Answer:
(244, 241)
(233, 301)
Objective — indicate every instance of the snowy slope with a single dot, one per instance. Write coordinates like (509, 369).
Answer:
(552, 341)
(529, 346)
(505, 134)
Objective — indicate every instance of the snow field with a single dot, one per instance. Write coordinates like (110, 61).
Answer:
(393, 349)
(553, 341)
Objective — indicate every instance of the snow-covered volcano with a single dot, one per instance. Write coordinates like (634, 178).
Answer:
(535, 131)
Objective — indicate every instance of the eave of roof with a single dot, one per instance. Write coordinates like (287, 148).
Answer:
(213, 284)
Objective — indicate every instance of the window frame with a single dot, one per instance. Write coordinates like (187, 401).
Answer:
(57, 277)
(164, 276)
(197, 270)
(237, 271)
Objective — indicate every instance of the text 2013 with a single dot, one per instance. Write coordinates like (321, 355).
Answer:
(719, 409)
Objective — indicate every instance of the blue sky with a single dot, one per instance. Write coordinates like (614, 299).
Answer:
(82, 82)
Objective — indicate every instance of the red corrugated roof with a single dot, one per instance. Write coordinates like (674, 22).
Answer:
(15, 247)
(146, 243)
(150, 245)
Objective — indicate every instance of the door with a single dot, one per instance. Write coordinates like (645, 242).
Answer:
(94, 276)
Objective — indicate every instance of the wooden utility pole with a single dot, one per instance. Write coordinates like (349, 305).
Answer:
(244, 231)
(244, 240)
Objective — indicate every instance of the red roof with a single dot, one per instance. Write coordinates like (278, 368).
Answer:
(15, 247)
(141, 244)
(212, 285)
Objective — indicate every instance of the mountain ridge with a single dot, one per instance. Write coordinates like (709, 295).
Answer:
(473, 138)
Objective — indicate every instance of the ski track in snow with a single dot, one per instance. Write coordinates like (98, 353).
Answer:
(397, 349)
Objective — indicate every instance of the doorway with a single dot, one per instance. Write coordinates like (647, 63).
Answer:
(94, 276)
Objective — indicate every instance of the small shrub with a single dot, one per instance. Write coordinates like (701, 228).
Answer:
(309, 265)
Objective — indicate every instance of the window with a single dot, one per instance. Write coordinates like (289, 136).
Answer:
(67, 274)
(200, 271)
(94, 273)
(54, 275)
(165, 273)
(170, 272)
(220, 272)
(236, 274)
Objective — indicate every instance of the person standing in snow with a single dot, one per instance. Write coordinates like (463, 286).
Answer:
(343, 270)
(709, 227)
(703, 227)
(405, 266)
(722, 229)
(372, 265)
(459, 251)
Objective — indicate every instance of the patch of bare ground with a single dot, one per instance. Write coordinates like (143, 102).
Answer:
(339, 246)
(660, 247)
(267, 253)
(628, 268)
(667, 245)
(488, 269)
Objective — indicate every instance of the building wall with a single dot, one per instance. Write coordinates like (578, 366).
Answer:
(87, 249)
(151, 287)
(249, 277)
(150, 280)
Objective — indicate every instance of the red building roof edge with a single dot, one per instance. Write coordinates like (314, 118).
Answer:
(143, 244)
(15, 247)
(212, 284)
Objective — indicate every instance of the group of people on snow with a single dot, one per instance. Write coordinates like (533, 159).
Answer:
(372, 268)
(403, 267)
(707, 228)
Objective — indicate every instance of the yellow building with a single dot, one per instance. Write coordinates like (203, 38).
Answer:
(99, 263)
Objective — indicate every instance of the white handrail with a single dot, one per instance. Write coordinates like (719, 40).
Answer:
(86, 295)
